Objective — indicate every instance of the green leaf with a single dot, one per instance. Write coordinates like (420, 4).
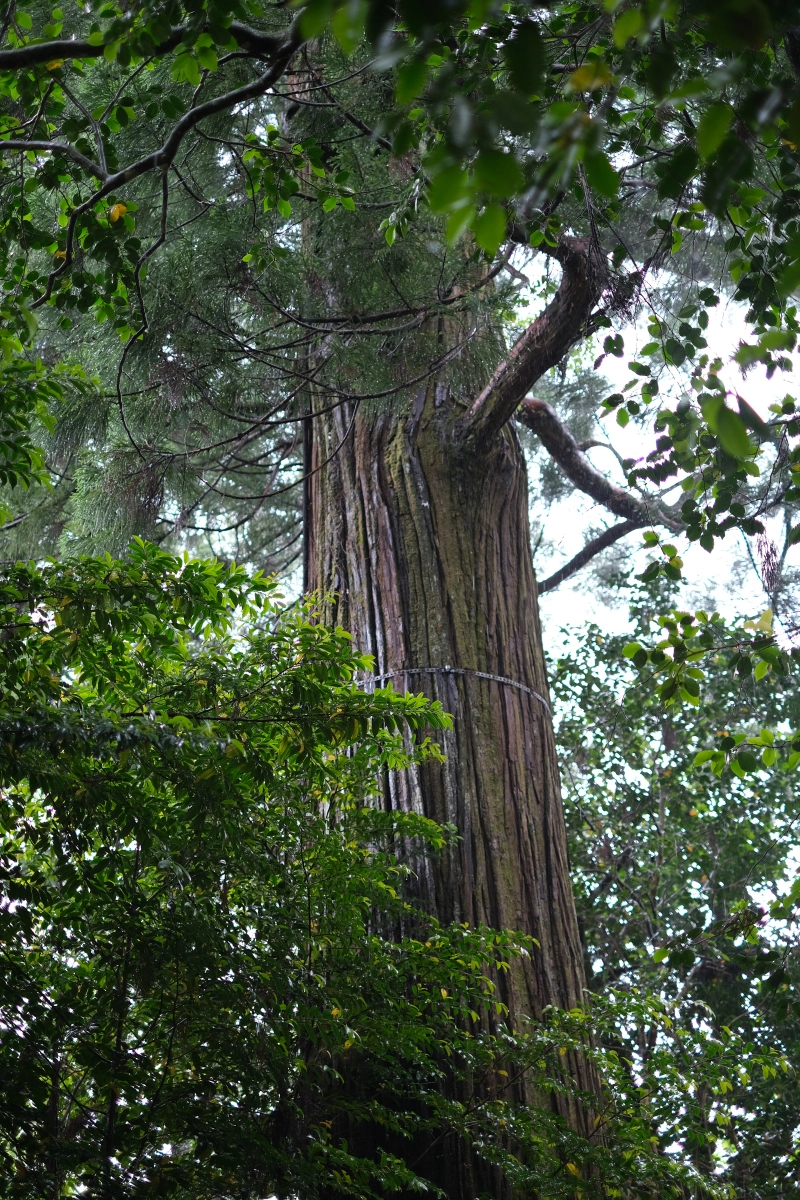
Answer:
(600, 173)
(498, 173)
(732, 434)
(714, 124)
(459, 222)
(627, 26)
(315, 17)
(348, 25)
(747, 760)
(207, 57)
(411, 77)
(449, 189)
(525, 57)
(490, 228)
(728, 427)
(186, 67)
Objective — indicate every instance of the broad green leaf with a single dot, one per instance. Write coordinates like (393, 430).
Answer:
(525, 57)
(490, 228)
(498, 173)
(600, 173)
(714, 124)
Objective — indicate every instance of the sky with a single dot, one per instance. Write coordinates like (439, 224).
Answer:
(718, 581)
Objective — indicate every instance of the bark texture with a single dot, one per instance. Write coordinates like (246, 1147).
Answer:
(418, 534)
(424, 547)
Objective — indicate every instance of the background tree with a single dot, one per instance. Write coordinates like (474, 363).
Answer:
(685, 872)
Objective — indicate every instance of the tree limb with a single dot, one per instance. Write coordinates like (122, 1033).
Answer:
(545, 342)
(561, 446)
(91, 168)
(163, 157)
(595, 546)
(259, 45)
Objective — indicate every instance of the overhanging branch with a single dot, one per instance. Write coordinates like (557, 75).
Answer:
(592, 548)
(561, 446)
(545, 342)
(164, 157)
(259, 45)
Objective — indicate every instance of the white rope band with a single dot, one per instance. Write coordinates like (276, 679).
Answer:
(522, 687)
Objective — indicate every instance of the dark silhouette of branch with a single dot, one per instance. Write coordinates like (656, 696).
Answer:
(255, 43)
(545, 342)
(561, 446)
(592, 548)
(91, 168)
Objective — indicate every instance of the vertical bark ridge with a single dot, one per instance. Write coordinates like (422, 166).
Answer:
(426, 549)
(422, 545)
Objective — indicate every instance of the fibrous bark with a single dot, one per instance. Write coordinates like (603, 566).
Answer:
(418, 534)
(425, 545)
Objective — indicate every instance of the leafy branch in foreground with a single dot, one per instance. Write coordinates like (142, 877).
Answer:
(214, 976)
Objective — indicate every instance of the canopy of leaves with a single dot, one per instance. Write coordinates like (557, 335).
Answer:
(213, 981)
(241, 160)
(686, 876)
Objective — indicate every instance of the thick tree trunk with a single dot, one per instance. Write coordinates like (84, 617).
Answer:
(422, 542)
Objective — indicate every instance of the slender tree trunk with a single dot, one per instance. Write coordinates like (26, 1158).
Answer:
(422, 544)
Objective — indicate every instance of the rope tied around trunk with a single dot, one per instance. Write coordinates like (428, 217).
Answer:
(522, 687)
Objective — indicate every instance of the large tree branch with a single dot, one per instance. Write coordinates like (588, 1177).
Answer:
(91, 168)
(545, 342)
(561, 446)
(260, 45)
(595, 546)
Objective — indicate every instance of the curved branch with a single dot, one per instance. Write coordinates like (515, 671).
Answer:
(561, 446)
(545, 342)
(259, 45)
(595, 546)
(164, 157)
(91, 168)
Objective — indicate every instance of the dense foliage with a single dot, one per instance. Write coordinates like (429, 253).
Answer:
(243, 166)
(215, 218)
(212, 975)
(686, 875)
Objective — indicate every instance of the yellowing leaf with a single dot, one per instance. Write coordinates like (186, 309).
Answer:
(116, 211)
(55, 64)
(573, 1170)
(591, 76)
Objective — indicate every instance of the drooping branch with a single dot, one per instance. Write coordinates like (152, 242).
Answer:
(66, 151)
(259, 45)
(545, 342)
(592, 548)
(561, 446)
(165, 155)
